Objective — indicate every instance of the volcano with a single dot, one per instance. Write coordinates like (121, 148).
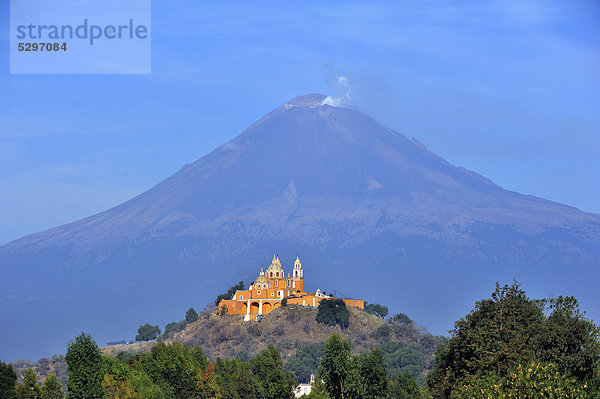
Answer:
(371, 213)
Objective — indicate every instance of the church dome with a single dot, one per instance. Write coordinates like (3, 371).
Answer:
(275, 266)
(261, 280)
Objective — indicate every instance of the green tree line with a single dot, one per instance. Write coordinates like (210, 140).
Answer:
(508, 346)
(513, 346)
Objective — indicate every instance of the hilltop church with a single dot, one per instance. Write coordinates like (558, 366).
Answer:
(271, 287)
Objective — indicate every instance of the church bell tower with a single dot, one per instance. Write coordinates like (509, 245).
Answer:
(298, 276)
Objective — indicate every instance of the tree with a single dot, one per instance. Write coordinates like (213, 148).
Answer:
(372, 375)
(172, 328)
(272, 381)
(402, 325)
(401, 357)
(29, 388)
(147, 332)
(568, 340)
(284, 302)
(117, 379)
(84, 366)
(229, 293)
(235, 379)
(531, 381)
(8, 381)
(403, 386)
(52, 388)
(336, 366)
(332, 312)
(180, 371)
(191, 315)
(318, 391)
(305, 361)
(509, 331)
(494, 336)
(376, 309)
(400, 319)
(121, 381)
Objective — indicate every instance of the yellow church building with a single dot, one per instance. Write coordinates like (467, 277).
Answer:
(271, 287)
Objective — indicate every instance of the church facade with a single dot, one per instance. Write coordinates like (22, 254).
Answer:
(271, 287)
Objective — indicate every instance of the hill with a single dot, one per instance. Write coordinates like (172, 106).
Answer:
(294, 332)
(291, 327)
(372, 213)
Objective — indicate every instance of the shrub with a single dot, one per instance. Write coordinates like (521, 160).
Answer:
(376, 309)
(382, 333)
(305, 361)
(191, 315)
(147, 332)
(333, 311)
(172, 328)
(400, 319)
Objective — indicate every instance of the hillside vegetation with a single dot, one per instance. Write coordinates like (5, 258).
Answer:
(507, 346)
(294, 327)
(294, 331)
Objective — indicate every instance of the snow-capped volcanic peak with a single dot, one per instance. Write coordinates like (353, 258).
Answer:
(313, 100)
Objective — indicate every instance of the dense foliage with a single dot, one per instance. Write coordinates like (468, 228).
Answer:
(404, 386)
(167, 371)
(52, 388)
(347, 376)
(305, 361)
(332, 312)
(191, 315)
(178, 371)
(271, 381)
(147, 332)
(400, 319)
(229, 293)
(29, 388)
(376, 309)
(172, 328)
(84, 368)
(509, 346)
(8, 379)
(336, 367)
(533, 380)
(405, 358)
(510, 333)
(400, 359)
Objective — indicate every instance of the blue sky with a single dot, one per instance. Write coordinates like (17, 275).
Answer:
(510, 90)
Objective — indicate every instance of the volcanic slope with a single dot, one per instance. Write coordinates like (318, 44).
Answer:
(372, 214)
